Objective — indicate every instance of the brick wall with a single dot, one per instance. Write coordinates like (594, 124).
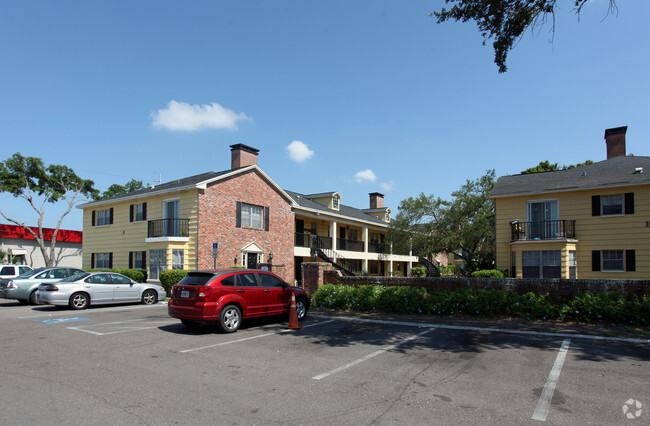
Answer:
(561, 288)
(217, 223)
(313, 275)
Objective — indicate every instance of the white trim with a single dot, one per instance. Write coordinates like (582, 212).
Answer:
(167, 239)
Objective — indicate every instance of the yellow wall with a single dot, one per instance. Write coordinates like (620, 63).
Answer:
(123, 236)
(626, 232)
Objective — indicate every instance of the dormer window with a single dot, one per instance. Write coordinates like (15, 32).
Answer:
(335, 203)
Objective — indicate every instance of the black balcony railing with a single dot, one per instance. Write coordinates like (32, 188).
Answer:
(349, 245)
(544, 230)
(378, 248)
(312, 241)
(168, 228)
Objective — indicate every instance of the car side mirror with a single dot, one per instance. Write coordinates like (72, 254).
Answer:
(285, 285)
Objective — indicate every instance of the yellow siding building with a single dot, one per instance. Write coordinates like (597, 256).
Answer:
(591, 222)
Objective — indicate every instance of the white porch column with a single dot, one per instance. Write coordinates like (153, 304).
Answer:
(333, 235)
(364, 237)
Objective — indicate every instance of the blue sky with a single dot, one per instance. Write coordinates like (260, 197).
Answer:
(347, 96)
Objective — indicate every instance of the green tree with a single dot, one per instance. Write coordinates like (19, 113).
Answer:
(115, 189)
(463, 226)
(505, 21)
(545, 166)
(29, 178)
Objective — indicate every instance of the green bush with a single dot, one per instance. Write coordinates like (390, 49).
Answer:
(135, 274)
(605, 307)
(453, 270)
(170, 277)
(419, 271)
(488, 273)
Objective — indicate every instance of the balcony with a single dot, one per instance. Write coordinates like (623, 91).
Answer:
(378, 248)
(162, 228)
(313, 241)
(545, 230)
(349, 245)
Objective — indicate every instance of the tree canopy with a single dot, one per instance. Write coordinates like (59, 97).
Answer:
(116, 189)
(546, 166)
(29, 178)
(463, 226)
(505, 21)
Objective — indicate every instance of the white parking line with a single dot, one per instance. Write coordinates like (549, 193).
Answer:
(367, 357)
(92, 311)
(123, 328)
(250, 338)
(541, 411)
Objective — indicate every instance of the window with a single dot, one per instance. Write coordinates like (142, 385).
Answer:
(251, 216)
(138, 212)
(513, 265)
(335, 203)
(541, 264)
(612, 205)
(270, 281)
(613, 260)
(102, 261)
(178, 259)
(573, 265)
(119, 279)
(102, 217)
(138, 260)
(157, 263)
(544, 219)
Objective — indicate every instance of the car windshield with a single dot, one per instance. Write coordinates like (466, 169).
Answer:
(196, 278)
(30, 273)
(75, 277)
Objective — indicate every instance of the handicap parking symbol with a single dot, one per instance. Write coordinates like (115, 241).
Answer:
(62, 320)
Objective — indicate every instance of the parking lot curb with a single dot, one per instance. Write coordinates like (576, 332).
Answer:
(487, 329)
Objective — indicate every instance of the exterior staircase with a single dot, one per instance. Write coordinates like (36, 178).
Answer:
(326, 255)
(432, 270)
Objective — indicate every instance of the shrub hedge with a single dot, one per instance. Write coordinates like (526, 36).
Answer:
(170, 277)
(605, 307)
(488, 273)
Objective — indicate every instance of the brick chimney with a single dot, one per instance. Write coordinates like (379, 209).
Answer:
(242, 156)
(615, 139)
(376, 200)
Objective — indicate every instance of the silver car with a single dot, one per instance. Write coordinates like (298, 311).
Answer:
(98, 288)
(23, 287)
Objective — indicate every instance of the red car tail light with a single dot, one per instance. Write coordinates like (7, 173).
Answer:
(202, 292)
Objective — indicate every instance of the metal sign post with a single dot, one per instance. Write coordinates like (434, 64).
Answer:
(215, 251)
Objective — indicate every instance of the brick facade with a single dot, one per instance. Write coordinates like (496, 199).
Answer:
(217, 223)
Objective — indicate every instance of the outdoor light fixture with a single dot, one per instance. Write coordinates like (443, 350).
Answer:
(270, 257)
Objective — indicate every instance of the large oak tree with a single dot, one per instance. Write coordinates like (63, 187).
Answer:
(29, 178)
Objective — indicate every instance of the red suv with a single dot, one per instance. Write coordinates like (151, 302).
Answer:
(228, 296)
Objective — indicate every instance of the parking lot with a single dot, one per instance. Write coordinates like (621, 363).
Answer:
(135, 365)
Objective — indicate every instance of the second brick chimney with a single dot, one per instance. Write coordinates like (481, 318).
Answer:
(242, 156)
(615, 139)
(376, 200)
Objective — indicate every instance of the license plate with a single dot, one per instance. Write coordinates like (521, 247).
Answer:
(185, 293)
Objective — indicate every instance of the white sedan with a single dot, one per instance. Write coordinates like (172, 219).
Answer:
(98, 288)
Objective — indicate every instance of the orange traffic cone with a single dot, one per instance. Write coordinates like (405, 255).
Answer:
(293, 314)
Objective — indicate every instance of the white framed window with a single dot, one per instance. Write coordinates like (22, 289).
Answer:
(157, 263)
(541, 264)
(178, 259)
(104, 217)
(611, 205)
(138, 260)
(252, 216)
(102, 261)
(335, 203)
(613, 261)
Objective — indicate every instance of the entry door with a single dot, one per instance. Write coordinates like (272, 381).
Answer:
(251, 260)
(171, 212)
(544, 217)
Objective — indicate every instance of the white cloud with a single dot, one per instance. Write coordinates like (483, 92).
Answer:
(365, 175)
(387, 186)
(181, 116)
(299, 151)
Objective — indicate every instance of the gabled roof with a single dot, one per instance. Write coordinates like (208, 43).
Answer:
(198, 181)
(344, 212)
(614, 172)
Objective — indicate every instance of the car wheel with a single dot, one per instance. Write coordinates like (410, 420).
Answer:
(230, 319)
(149, 297)
(32, 298)
(79, 301)
(301, 308)
(190, 324)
